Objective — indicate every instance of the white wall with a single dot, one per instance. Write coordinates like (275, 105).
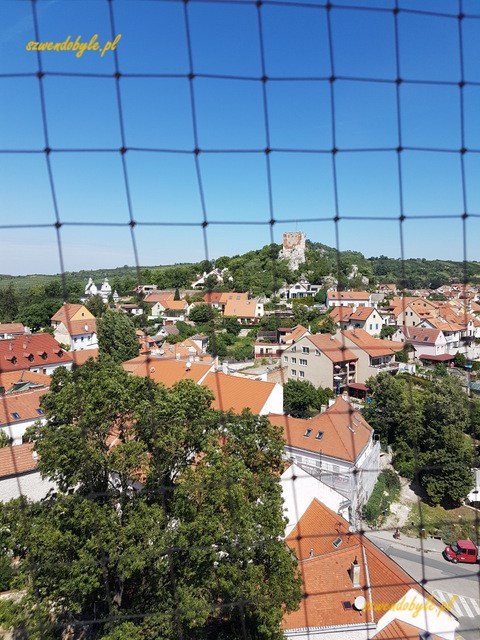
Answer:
(298, 494)
(274, 403)
(16, 431)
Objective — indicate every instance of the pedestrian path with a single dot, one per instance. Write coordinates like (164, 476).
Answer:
(460, 606)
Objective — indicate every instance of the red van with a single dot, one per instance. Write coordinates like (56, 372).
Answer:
(462, 551)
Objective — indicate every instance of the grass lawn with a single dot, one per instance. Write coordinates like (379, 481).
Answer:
(449, 524)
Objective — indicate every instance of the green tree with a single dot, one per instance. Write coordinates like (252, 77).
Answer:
(202, 313)
(4, 439)
(387, 331)
(116, 336)
(96, 305)
(232, 325)
(302, 400)
(177, 294)
(460, 360)
(9, 303)
(447, 453)
(203, 534)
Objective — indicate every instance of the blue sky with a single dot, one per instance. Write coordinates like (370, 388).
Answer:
(82, 114)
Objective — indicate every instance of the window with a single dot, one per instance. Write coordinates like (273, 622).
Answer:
(294, 372)
(371, 327)
(376, 326)
(294, 348)
(317, 352)
(301, 374)
(319, 435)
(294, 361)
(285, 358)
(307, 433)
(337, 542)
(303, 361)
(40, 412)
(305, 349)
(15, 415)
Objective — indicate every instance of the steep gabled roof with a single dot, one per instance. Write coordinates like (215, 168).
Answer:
(345, 433)
(67, 311)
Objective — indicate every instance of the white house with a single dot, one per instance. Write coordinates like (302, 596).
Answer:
(426, 342)
(338, 447)
(353, 299)
(11, 329)
(39, 353)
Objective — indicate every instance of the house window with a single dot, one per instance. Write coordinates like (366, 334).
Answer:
(294, 348)
(285, 358)
(294, 372)
(301, 374)
(305, 350)
(317, 352)
(303, 361)
(294, 361)
(40, 412)
(376, 326)
(371, 327)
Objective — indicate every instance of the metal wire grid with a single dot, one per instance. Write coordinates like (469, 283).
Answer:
(197, 152)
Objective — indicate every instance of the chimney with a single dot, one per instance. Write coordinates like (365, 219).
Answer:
(355, 573)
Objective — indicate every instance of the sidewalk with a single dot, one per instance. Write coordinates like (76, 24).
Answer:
(427, 545)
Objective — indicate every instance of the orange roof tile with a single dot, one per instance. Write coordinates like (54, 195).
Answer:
(68, 310)
(326, 578)
(362, 313)
(375, 347)
(399, 630)
(12, 327)
(341, 314)
(421, 334)
(166, 372)
(16, 460)
(349, 295)
(240, 308)
(77, 327)
(345, 432)
(175, 305)
(161, 297)
(331, 347)
(8, 379)
(213, 297)
(80, 357)
(24, 404)
(234, 393)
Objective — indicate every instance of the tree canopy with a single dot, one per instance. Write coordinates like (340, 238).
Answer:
(167, 521)
(302, 400)
(116, 336)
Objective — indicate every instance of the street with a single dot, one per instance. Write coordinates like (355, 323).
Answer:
(423, 561)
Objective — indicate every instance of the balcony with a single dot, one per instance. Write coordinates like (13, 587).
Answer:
(385, 366)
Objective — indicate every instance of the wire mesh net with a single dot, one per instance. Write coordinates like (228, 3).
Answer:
(328, 75)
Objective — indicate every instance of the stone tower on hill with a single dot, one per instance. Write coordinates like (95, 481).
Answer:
(293, 249)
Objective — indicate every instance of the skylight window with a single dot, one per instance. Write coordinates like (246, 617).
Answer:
(15, 415)
(307, 433)
(319, 435)
(337, 542)
(40, 412)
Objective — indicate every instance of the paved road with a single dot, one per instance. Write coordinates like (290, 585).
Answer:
(423, 561)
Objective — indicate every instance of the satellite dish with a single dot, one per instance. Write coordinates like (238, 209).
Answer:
(359, 603)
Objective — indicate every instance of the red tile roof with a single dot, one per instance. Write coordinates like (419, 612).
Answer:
(16, 460)
(213, 297)
(331, 347)
(398, 630)
(236, 393)
(25, 352)
(78, 327)
(24, 404)
(161, 297)
(421, 334)
(345, 432)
